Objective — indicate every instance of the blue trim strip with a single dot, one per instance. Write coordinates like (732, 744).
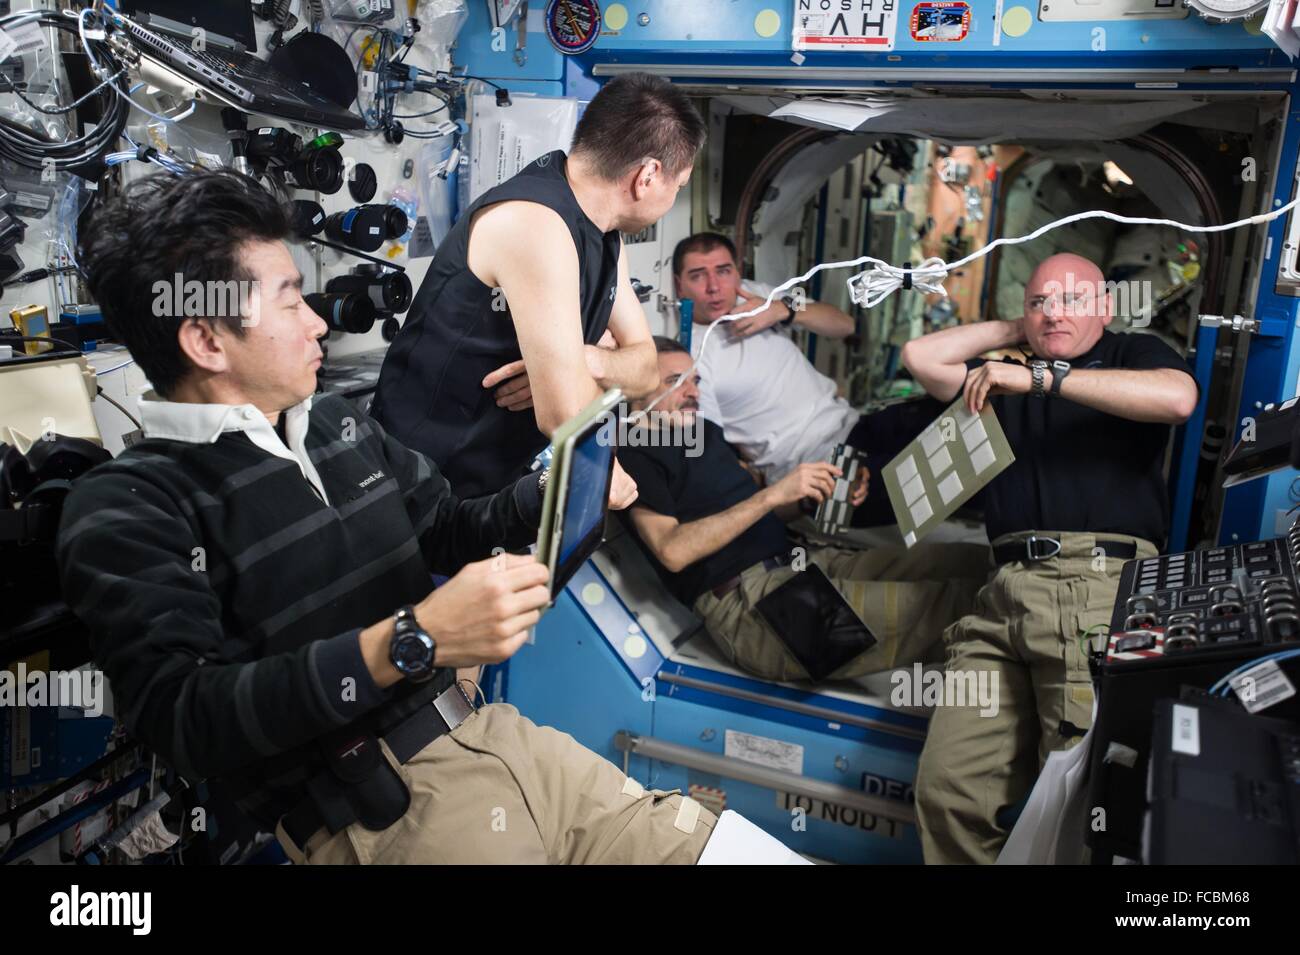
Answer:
(665, 689)
(1189, 437)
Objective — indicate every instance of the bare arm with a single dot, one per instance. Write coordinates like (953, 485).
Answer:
(677, 545)
(525, 250)
(1162, 395)
(632, 365)
(938, 360)
(825, 320)
(815, 316)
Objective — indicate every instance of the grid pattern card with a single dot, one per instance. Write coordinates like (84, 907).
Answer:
(954, 457)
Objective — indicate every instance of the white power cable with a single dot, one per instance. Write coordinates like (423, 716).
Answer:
(876, 284)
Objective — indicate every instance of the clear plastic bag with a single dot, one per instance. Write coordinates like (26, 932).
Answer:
(438, 174)
(504, 139)
(37, 75)
(440, 23)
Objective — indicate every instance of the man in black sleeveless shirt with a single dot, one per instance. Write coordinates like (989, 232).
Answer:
(527, 283)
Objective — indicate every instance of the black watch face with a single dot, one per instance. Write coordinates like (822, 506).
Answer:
(411, 654)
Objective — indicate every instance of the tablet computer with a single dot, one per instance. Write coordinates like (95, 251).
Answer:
(814, 621)
(577, 493)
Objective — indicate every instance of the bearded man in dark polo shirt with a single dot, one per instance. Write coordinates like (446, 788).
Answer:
(719, 543)
(1088, 417)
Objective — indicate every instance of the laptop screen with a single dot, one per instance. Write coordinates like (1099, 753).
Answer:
(586, 502)
(228, 19)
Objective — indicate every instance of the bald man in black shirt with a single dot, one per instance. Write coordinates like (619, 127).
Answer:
(1088, 417)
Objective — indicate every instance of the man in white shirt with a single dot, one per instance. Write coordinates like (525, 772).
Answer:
(772, 404)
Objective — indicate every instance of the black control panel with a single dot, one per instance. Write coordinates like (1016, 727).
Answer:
(1206, 601)
(1179, 621)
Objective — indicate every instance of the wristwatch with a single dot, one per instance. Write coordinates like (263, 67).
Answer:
(411, 650)
(544, 479)
(1038, 369)
(787, 301)
(1059, 370)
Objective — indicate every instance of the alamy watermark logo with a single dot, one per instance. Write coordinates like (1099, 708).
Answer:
(654, 429)
(233, 298)
(953, 688)
(1135, 298)
(78, 689)
(75, 907)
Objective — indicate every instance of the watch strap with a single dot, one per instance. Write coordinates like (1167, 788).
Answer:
(1059, 370)
(786, 301)
(1038, 373)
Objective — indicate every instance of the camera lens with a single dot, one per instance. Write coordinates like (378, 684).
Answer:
(273, 143)
(318, 169)
(343, 311)
(306, 217)
(390, 292)
(395, 221)
(366, 227)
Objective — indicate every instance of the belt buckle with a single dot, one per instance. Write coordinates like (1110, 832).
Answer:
(1032, 539)
(453, 706)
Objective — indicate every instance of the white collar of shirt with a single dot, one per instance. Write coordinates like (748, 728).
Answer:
(205, 423)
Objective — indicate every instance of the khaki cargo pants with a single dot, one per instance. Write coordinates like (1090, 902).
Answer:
(500, 789)
(1026, 630)
(906, 597)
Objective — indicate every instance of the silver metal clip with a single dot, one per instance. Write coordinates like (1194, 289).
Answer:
(453, 706)
(1032, 539)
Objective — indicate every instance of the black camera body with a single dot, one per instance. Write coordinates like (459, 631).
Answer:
(366, 227)
(344, 312)
(315, 167)
(352, 303)
(390, 291)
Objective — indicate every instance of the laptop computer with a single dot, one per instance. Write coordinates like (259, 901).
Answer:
(164, 31)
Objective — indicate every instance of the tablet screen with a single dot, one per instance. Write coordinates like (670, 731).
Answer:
(586, 502)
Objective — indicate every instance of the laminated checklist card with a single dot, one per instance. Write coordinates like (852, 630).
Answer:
(955, 456)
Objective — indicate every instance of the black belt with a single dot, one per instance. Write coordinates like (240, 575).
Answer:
(727, 586)
(431, 721)
(1035, 548)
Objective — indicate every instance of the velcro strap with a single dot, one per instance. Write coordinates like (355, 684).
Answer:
(688, 815)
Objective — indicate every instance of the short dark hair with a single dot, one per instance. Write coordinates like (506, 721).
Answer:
(635, 116)
(669, 346)
(192, 224)
(701, 242)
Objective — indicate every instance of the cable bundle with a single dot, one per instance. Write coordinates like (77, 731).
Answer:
(33, 148)
(873, 286)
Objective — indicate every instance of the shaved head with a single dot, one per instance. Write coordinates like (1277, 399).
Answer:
(1067, 307)
(1062, 265)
